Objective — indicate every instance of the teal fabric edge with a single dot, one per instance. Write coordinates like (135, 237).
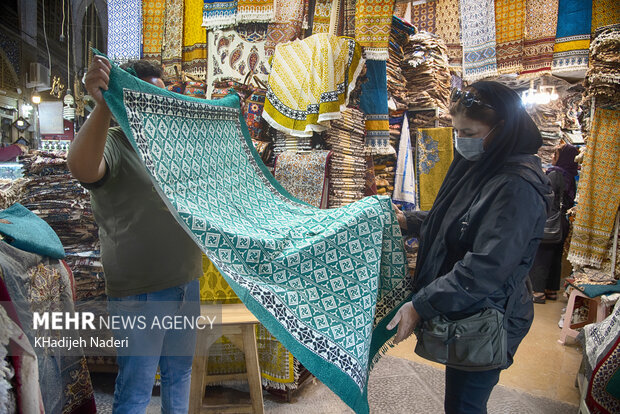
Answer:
(325, 372)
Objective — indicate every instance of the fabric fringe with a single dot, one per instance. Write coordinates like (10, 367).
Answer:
(255, 16)
(376, 54)
(382, 351)
(219, 22)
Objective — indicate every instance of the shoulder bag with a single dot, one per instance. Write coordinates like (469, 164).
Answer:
(476, 343)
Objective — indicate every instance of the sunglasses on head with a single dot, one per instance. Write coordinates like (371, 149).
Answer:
(467, 98)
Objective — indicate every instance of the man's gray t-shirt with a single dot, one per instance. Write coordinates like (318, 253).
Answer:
(143, 247)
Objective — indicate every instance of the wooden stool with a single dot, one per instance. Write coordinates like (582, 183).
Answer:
(238, 325)
(597, 311)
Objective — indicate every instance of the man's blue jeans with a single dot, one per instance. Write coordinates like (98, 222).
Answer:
(171, 349)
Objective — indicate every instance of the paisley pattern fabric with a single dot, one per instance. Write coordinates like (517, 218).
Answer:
(322, 14)
(310, 82)
(235, 53)
(325, 283)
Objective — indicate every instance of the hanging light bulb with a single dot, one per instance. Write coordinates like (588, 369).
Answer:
(68, 112)
(36, 99)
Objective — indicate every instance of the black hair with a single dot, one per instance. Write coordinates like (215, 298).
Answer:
(144, 69)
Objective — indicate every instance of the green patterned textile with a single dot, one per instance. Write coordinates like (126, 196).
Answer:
(325, 283)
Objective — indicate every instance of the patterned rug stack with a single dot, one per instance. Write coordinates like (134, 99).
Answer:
(52, 194)
(348, 163)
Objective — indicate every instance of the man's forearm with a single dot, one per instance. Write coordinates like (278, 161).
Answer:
(85, 158)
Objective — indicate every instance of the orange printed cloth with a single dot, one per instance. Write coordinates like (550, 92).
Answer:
(540, 24)
(598, 192)
(509, 33)
(152, 29)
(373, 21)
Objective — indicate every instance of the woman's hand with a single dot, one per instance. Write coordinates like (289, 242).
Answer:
(400, 216)
(407, 319)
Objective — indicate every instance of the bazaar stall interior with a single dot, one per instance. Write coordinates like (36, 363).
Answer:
(342, 99)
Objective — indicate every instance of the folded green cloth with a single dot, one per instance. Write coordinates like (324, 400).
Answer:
(26, 231)
(593, 291)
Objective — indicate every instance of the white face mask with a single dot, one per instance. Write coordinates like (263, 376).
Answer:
(471, 148)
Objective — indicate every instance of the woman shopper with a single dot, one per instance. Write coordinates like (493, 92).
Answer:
(547, 268)
(478, 241)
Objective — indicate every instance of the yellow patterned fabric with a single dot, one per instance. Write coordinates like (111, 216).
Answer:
(598, 192)
(434, 155)
(213, 287)
(254, 11)
(605, 13)
(172, 43)
(448, 28)
(194, 40)
(277, 364)
(540, 24)
(373, 21)
(509, 33)
(153, 28)
(310, 82)
(322, 14)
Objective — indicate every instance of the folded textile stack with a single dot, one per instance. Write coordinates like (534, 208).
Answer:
(425, 67)
(283, 142)
(385, 166)
(571, 101)
(348, 163)
(603, 77)
(397, 84)
(55, 196)
(11, 191)
(548, 118)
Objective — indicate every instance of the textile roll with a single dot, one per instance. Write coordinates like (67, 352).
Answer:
(310, 82)
(234, 53)
(598, 192)
(448, 28)
(540, 25)
(572, 37)
(404, 179)
(509, 26)
(153, 29)
(605, 13)
(478, 32)
(219, 14)
(124, 29)
(194, 53)
(172, 48)
(254, 11)
(434, 155)
(304, 176)
(373, 21)
(325, 283)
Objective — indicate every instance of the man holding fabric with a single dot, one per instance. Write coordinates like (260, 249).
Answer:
(151, 265)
